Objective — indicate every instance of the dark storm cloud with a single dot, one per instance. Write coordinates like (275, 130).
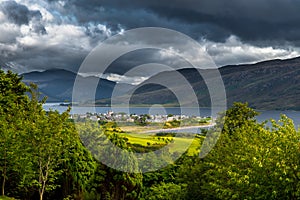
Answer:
(271, 21)
(18, 13)
(45, 34)
(139, 57)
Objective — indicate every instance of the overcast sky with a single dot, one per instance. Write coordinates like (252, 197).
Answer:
(44, 34)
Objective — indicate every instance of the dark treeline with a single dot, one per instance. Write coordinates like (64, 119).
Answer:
(42, 157)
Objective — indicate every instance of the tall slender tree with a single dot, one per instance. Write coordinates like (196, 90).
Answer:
(13, 103)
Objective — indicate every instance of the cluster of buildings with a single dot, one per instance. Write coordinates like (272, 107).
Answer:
(123, 117)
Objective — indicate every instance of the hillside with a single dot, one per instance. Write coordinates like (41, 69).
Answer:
(57, 84)
(271, 84)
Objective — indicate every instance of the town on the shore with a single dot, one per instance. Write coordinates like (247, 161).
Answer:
(149, 118)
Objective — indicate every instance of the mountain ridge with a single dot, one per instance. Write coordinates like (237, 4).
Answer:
(57, 84)
(271, 84)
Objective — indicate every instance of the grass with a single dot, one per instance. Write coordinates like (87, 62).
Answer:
(180, 144)
(193, 145)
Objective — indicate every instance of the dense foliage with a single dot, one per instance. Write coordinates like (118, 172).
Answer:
(42, 156)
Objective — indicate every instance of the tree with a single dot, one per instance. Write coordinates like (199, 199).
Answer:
(47, 139)
(142, 120)
(41, 151)
(79, 167)
(166, 191)
(13, 103)
(113, 179)
(249, 161)
(236, 117)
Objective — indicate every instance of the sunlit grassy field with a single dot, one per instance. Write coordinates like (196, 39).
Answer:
(178, 145)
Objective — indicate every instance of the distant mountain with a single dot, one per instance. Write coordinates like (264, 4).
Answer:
(57, 84)
(273, 84)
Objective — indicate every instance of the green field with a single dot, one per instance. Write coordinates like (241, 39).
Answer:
(179, 144)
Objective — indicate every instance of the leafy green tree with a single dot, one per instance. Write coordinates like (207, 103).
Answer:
(41, 152)
(106, 145)
(249, 161)
(142, 120)
(48, 138)
(12, 107)
(166, 191)
(236, 117)
(79, 168)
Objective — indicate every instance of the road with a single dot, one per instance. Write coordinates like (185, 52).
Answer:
(180, 128)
